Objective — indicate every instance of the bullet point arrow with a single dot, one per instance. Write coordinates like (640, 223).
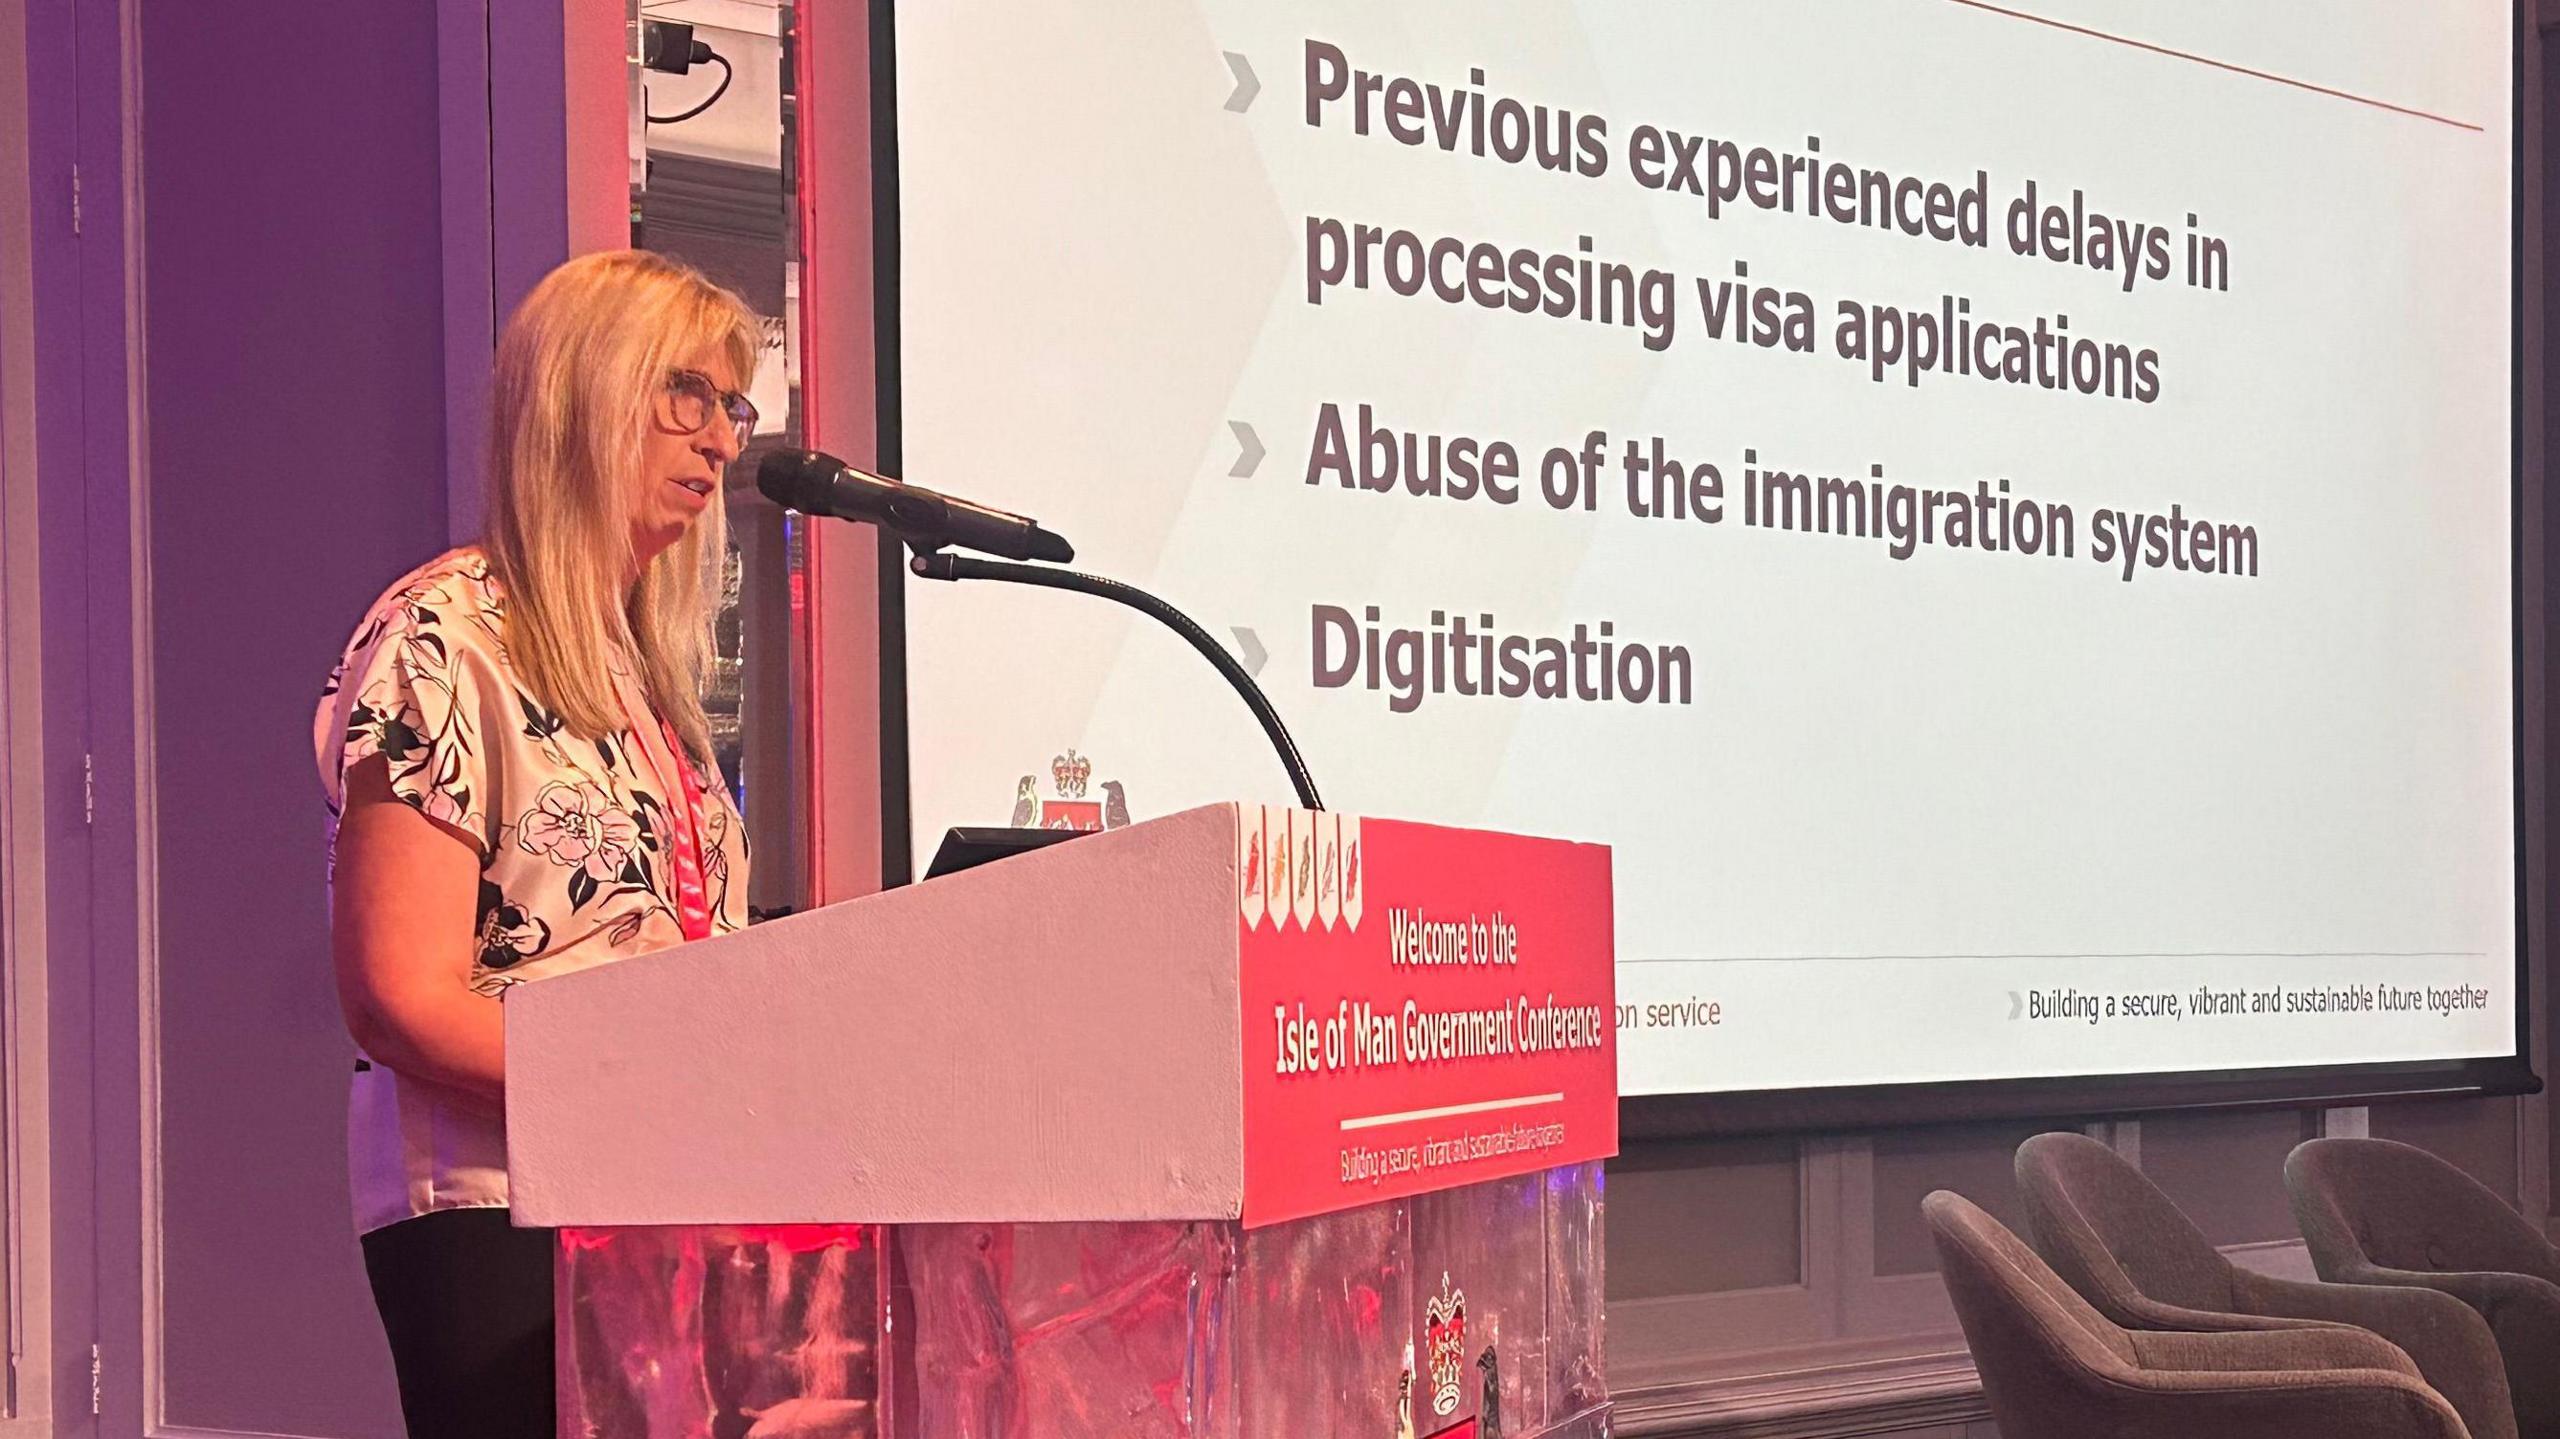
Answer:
(1250, 647)
(2017, 1006)
(1249, 450)
(1246, 86)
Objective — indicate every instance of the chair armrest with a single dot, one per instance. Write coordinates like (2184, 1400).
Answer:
(2521, 1308)
(2262, 1351)
(2489, 1291)
(2454, 1347)
(2284, 1404)
(2367, 1304)
(2143, 1312)
(2523, 1311)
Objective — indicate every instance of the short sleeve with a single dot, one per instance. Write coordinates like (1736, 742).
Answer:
(411, 689)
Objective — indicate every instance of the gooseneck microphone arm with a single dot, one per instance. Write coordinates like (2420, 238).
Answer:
(943, 565)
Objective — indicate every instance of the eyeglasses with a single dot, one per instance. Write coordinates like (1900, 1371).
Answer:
(692, 400)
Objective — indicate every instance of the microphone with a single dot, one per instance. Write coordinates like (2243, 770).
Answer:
(820, 484)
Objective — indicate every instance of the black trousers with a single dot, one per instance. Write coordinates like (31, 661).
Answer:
(465, 1299)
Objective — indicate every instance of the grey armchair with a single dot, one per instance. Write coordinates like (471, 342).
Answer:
(2377, 1212)
(2110, 1233)
(2054, 1368)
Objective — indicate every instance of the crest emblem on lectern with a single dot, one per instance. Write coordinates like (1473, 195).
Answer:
(1300, 867)
(1329, 870)
(1275, 839)
(1348, 827)
(1249, 864)
(1301, 897)
(1444, 1340)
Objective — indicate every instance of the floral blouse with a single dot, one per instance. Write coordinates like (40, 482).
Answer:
(572, 834)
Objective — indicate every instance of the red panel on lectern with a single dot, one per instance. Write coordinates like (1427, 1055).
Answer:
(1423, 1008)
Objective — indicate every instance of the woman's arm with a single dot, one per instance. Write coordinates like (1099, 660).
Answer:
(401, 909)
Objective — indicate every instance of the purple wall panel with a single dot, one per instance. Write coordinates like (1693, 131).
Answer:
(55, 138)
(294, 277)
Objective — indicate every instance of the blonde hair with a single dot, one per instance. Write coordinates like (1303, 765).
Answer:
(583, 361)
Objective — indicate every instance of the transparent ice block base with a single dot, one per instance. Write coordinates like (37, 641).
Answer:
(1473, 1312)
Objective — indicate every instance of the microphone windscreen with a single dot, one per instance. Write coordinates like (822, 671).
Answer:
(795, 480)
(1049, 546)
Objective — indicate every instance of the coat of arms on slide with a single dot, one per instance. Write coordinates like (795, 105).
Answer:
(1071, 805)
(1444, 1345)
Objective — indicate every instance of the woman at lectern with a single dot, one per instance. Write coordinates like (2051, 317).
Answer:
(520, 775)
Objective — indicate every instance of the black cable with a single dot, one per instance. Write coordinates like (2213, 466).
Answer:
(726, 75)
(943, 565)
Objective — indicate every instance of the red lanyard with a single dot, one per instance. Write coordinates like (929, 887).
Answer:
(692, 901)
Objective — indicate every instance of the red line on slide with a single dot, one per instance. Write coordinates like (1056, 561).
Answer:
(2216, 64)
